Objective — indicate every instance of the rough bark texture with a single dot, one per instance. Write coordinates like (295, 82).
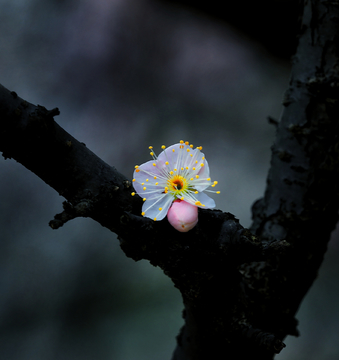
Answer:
(240, 291)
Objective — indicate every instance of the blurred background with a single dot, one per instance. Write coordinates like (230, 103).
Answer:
(127, 74)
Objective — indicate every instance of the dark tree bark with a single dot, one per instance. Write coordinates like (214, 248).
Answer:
(240, 290)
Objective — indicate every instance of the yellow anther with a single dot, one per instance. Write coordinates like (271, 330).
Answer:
(171, 172)
(203, 158)
(166, 162)
(193, 168)
(173, 150)
(187, 143)
(175, 170)
(144, 199)
(188, 150)
(181, 141)
(143, 213)
(142, 183)
(197, 176)
(155, 219)
(137, 170)
(215, 182)
(146, 179)
(163, 147)
(191, 146)
(151, 153)
(182, 169)
(208, 179)
(160, 209)
(198, 203)
(156, 183)
(133, 180)
(166, 191)
(166, 188)
(182, 198)
(218, 192)
(150, 147)
(154, 164)
(144, 188)
(202, 164)
(181, 146)
(133, 193)
(196, 192)
(186, 167)
(136, 166)
(154, 177)
(191, 179)
(196, 161)
(191, 155)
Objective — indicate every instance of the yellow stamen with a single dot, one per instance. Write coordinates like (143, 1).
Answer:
(182, 198)
(173, 150)
(144, 188)
(137, 170)
(186, 143)
(186, 167)
(191, 146)
(215, 182)
(196, 192)
(150, 147)
(208, 179)
(160, 209)
(156, 183)
(151, 153)
(197, 176)
(154, 177)
(155, 219)
(136, 166)
(154, 164)
(218, 192)
(198, 203)
(171, 172)
(146, 179)
(191, 179)
(166, 162)
(182, 169)
(193, 168)
(174, 169)
(133, 180)
(203, 158)
(196, 161)
(163, 147)
(142, 183)
(202, 164)
(144, 199)
(143, 213)
(133, 193)
(188, 150)
(181, 141)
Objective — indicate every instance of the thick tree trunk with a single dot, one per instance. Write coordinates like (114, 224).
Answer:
(240, 291)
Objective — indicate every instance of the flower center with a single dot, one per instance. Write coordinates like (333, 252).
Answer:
(177, 183)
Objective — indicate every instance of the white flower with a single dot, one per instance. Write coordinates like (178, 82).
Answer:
(179, 172)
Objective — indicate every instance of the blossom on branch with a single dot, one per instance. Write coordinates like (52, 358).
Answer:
(178, 173)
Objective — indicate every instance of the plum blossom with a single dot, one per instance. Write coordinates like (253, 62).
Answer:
(179, 172)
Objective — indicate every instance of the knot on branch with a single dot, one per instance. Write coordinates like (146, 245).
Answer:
(70, 212)
(238, 242)
(260, 338)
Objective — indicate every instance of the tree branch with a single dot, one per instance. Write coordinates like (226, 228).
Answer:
(240, 291)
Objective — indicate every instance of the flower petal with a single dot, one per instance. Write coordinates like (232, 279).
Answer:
(204, 200)
(151, 207)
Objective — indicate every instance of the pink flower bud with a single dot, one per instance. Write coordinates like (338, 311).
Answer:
(182, 215)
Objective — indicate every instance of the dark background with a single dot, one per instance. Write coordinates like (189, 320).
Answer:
(127, 74)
